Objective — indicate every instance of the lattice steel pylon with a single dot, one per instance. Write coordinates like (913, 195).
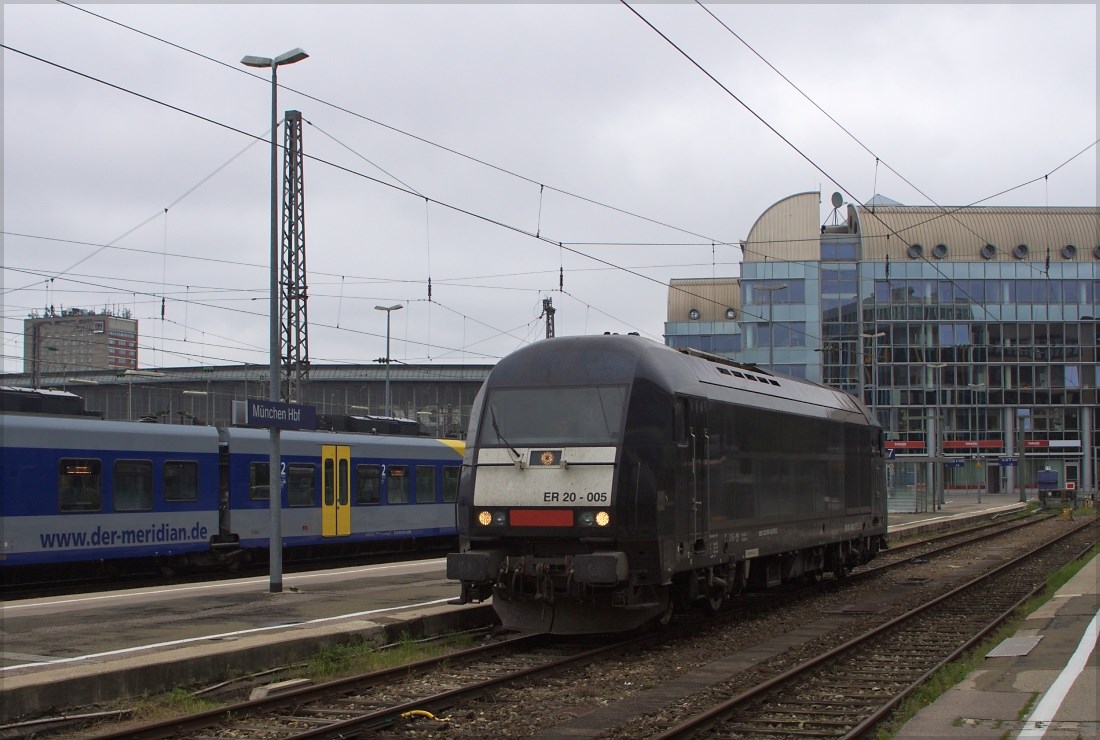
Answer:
(293, 293)
(548, 311)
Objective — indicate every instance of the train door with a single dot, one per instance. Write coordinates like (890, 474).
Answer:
(336, 490)
(694, 450)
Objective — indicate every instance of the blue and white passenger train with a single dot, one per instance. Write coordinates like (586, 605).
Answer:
(609, 481)
(86, 491)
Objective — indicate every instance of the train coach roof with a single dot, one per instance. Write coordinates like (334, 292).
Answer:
(81, 433)
(258, 441)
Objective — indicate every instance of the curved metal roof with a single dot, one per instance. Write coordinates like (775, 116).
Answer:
(965, 232)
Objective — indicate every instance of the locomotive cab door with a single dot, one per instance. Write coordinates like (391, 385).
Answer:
(694, 445)
(335, 490)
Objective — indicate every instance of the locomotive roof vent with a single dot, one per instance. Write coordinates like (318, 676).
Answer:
(747, 376)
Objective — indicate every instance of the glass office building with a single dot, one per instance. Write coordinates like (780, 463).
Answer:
(971, 333)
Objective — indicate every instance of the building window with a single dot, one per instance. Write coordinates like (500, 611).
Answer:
(834, 251)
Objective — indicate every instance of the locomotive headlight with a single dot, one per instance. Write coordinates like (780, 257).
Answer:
(603, 518)
(587, 518)
(500, 518)
(484, 518)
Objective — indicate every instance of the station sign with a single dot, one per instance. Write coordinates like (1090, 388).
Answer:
(1007, 462)
(954, 464)
(256, 412)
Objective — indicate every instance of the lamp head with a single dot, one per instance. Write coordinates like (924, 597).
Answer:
(290, 57)
(251, 61)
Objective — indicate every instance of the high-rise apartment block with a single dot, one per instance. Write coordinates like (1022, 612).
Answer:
(75, 339)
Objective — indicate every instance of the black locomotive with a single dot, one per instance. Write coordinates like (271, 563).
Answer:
(610, 480)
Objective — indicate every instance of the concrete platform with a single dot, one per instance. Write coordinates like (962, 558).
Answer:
(958, 509)
(71, 651)
(1039, 688)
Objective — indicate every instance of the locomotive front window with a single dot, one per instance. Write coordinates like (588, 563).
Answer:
(590, 415)
(301, 485)
(425, 484)
(181, 480)
(78, 484)
(133, 485)
(368, 484)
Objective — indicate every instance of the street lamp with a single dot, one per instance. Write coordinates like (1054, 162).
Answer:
(978, 473)
(130, 389)
(935, 436)
(771, 328)
(274, 490)
(388, 310)
(874, 367)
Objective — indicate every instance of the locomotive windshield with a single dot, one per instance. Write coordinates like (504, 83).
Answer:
(553, 416)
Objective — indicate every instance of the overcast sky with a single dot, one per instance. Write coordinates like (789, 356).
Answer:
(446, 136)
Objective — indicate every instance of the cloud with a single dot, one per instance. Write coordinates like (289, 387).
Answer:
(963, 101)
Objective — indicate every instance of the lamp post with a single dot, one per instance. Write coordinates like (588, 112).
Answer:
(274, 470)
(206, 402)
(388, 310)
(874, 363)
(130, 391)
(771, 327)
(978, 473)
(936, 465)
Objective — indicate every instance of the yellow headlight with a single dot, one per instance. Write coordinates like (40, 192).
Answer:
(484, 518)
(603, 518)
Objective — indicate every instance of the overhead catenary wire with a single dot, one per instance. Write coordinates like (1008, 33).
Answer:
(538, 230)
(813, 163)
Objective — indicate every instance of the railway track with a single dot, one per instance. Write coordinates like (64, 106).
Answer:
(848, 690)
(516, 667)
(386, 699)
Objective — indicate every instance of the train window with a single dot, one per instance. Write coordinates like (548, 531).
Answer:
(181, 480)
(344, 493)
(78, 485)
(450, 484)
(330, 483)
(301, 485)
(258, 481)
(133, 485)
(368, 484)
(680, 421)
(425, 484)
(397, 484)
